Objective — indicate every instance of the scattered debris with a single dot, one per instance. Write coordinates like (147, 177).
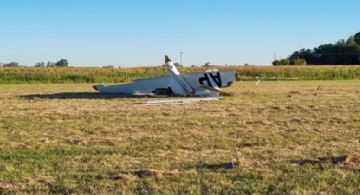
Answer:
(237, 162)
(175, 101)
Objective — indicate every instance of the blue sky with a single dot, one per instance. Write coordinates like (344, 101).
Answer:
(141, 32)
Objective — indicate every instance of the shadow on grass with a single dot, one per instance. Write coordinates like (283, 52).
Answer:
(79, 95)
(159, 173)
(215, 166)
(326, 160)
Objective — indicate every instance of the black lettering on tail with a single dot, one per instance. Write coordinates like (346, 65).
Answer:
(216, 78)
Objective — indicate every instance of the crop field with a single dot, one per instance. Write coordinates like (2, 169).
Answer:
(118, 75)
(273, 137)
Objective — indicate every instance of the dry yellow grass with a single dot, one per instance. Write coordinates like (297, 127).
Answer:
(267, 138)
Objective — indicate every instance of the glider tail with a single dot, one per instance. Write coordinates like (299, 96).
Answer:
(178, 84)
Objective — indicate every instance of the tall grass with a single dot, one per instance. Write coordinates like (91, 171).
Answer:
(120, 75)
(75, 75)
(300, 72)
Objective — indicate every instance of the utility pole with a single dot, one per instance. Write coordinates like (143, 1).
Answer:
(275, 56)
(181, 58)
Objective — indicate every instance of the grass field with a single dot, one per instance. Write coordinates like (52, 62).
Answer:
(275, 137)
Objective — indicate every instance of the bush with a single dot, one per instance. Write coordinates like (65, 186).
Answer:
(62, 63)
(281, 62)
(298, 61)
(11, 64)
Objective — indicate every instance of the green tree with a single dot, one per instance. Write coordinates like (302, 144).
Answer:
(351, 41)
(298, 61)
(281, 62)
(11, 64)
(50, 64)
(357, 38)
(341, 53)
(207, 64)
(40, 64)
(62, 63)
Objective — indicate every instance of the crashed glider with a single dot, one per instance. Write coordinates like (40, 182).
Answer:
(205, 84)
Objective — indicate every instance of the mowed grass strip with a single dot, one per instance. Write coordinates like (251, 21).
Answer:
(274, 137)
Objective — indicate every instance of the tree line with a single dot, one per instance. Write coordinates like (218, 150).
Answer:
(343, 52)
(60, 63)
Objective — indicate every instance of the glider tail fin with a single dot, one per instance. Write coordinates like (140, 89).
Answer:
(171, 66)
(167, 59)
(179, 85)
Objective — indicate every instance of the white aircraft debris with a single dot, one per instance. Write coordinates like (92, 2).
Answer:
(206, 84)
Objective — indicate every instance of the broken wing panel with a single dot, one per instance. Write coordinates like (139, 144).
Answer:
(138, 87)
(176, 87)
